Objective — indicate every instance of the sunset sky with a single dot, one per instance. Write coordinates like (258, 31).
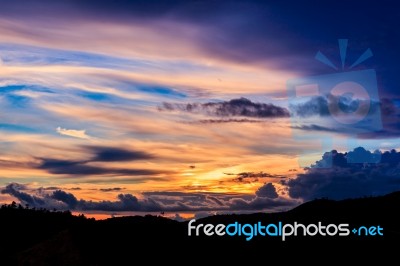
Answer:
(116, 107)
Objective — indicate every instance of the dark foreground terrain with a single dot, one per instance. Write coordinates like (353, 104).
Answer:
(40, 237)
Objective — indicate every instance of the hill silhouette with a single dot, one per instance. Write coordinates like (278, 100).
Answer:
(42, 237)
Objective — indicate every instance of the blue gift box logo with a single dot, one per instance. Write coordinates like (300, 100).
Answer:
(350, 100)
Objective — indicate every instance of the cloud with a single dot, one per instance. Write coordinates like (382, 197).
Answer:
(80, 134)
(390, 121)
(257, 175)
(50, 188)
(241, 107)
(83, 168)
(98, 154)
(68, 198)
(167, 201)
(14, 189)
(268, 191)
(336, 178)
(16, 164)
(360, 155)
(219, 121)
(112, 154)
(125, 202)
(326, 105)
(314, 127)
(259, 203)
(216, 200)
(65, 200)
(177, 49)
(266, 198)
(248, 31)
(110, 189)
(382, 119)
(315, 106)
(253, 176)
(240, 37)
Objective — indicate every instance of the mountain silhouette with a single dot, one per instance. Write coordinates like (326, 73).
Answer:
(43, 237)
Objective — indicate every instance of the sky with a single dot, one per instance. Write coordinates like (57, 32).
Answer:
(194, 108)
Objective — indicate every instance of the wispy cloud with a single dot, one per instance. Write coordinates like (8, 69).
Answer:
(88, 167)
(240, 107)
(81, 134)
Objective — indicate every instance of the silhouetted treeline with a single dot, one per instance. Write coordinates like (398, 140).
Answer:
(23, 227)
(43, 237)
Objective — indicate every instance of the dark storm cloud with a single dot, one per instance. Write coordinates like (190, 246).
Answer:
(98, 154)
(81, 168)
(268, 190)
(349, 180)
(112, 154)
(235, 107)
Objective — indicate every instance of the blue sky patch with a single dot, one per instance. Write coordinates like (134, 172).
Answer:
(17, 128)
(164, 91)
